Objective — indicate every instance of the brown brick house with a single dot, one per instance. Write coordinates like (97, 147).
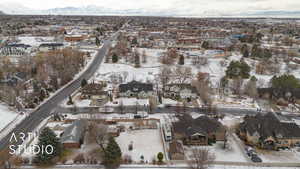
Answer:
(93, 89)
(73, 136)
(269, 131)
(200, 131)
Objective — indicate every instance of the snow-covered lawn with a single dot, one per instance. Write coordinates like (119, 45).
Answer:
(35, 41)
(230, 102)
(152, 56)
(284, 156)
(128, 102)
(6, 116)
(127, 72)
(232, 153)
(230, 120)
(146, 143)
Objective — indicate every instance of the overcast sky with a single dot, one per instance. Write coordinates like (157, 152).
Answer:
(186, 6)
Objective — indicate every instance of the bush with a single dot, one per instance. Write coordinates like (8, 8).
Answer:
(160, 157)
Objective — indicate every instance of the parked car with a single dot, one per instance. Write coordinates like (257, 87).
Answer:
(297, 144)
(256, 159)
(250, 151)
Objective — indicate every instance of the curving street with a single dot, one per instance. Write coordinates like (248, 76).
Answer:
(46, 108)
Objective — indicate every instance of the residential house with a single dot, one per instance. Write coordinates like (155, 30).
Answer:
(14, 79)
(73, 136)
(180, 91)
(50, 46)
(292, 95)
(269, 131)
(93, 89)
(136, 89)
(75, 38)
(15, 49)
(200, 131)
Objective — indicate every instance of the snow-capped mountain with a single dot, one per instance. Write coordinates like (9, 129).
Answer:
(11, 8)
(14, 8)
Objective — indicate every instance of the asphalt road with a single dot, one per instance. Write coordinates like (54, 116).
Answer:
(170, 110)
(44, 110)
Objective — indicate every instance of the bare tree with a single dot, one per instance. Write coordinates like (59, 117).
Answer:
(121, 106)
(199, 61)
(144, 57)
(182, 74)
(164, 76)
(204, 90)
(201, 158)
(251, 90)
(168, 57)
(98, 133)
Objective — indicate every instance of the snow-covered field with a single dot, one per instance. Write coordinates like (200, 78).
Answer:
(231, 102)
(128, 102)
(146, 143)
(150, 69)
(284, 156)
(231, 154)
(128, 72)
(230, 120)
(35, 41)
(6, 116)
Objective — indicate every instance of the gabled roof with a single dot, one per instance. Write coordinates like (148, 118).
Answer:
(183, 86)
(51, 44)
(73, 133)
(202, 125)
(18, 45)
(268, 125)
(136, 87)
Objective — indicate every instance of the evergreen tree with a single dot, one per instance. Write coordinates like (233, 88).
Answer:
(238, 69)
(48, 138)
(83, 82)
(245, 70)
(181, 60)
(97, 41)
(245, 50)
(267, 54)
(224, 82)
(134, 41)
(285, 82)
(205, 45)
(70, 101)
(253, 78)
(112, 154)
(42, 94)
(159, 98)
(160, 157)
(256, 51)
(115, 58)
(137, 62)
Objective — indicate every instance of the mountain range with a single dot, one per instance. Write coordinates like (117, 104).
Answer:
(97, 10)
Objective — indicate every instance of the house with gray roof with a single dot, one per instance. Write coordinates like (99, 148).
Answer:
(180, 91)
(200, 131)
(73, 136)
(136, 89)
(269, 131)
